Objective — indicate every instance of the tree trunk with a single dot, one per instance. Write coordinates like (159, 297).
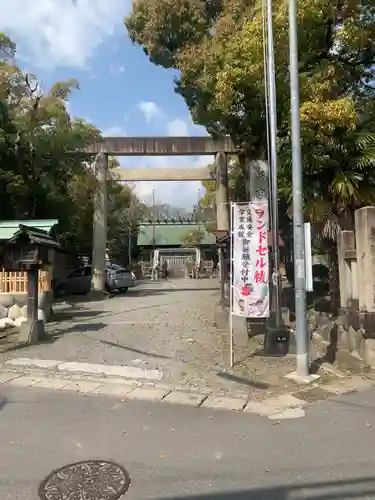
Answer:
(334, 287)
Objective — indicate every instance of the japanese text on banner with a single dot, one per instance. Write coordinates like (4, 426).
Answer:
(250, 260)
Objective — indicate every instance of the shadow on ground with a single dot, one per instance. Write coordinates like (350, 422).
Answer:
(334, 490)
(132, 349)
(77, 328)
(3, 401)
(134, 292)
(242, 380)
(80, 313)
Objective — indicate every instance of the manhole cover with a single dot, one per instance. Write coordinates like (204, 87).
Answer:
(89, 480)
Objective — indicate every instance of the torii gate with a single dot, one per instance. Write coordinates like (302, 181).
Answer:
(154, 146)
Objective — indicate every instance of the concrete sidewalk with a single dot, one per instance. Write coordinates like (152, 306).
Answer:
(129, 383)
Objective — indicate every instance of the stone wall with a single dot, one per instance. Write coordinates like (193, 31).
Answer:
(13, 309)
(342, 337)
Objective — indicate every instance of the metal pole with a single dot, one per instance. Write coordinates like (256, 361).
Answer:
(302, 336)
(273, 161)
(231, 354)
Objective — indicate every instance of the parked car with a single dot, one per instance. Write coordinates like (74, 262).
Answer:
(79, 281)
(116, 267)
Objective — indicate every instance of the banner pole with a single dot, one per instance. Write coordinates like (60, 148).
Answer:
(231, 354)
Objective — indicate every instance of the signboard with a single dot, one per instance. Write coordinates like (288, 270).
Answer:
(250, 276)
(308, 258)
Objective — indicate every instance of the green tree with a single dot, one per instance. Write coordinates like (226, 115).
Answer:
(42, 173)
(341, 180)
(192, 238)
(218, 50)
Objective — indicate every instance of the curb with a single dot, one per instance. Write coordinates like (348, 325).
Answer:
(128, 390)
(41, 374)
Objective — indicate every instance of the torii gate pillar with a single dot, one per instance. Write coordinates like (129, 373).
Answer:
(99, 223)
(222, 202)
(222, 216)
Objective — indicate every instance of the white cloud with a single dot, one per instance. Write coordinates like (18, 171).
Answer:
(61, 33)
(115, 69)
(150, 110)
(179, 194)
(114, 131)
(177, 128)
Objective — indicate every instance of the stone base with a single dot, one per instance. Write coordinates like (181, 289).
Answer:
(243, 328)
(14, 306)
(298, 379)
(31, 332)
(348, 338)
(359, 320)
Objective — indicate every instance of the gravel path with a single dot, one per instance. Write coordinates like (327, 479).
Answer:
(160, 325)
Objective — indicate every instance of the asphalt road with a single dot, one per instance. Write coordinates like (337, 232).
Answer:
(182, 453)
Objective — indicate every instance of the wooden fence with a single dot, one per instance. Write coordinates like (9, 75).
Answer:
(16, 282)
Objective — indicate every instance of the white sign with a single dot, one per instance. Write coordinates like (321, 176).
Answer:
(308, 258)
(250, 279)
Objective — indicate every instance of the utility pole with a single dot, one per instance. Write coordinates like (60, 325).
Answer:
(302, 336)
(273, 164)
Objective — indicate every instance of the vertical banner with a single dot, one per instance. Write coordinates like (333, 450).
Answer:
(250, 277)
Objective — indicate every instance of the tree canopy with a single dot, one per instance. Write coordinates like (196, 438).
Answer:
(218, 49)
(41, 173)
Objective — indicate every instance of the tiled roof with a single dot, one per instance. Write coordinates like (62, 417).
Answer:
(9, 227)
(170, 234)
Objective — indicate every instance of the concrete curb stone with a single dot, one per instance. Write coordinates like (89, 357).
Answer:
(43, 374)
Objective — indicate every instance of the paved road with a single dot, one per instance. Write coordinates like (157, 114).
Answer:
(159, 325)
(179, 453)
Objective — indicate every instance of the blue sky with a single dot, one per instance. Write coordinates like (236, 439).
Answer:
(121, 91)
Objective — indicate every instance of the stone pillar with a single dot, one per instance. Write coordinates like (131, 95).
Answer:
(222, 217)
(258, 180)
(222, 200)
(345, 244)
(365, 247)
(100, 224)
